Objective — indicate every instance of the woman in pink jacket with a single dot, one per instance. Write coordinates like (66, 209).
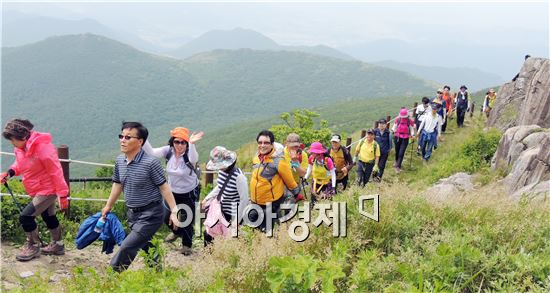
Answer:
(37, 162)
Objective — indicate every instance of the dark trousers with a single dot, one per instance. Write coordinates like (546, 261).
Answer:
(444, 125)
(460, 114)
(344, 182)
(364, 170)
(143, 225)
(189, 199)
(400, 149)
(382, 163)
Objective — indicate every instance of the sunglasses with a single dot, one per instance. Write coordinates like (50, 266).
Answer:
(126, 137)
(180, 142)
(264, 142)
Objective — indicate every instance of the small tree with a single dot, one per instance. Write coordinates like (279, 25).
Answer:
(302, 123)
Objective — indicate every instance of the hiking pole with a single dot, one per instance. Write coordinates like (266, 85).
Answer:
(303, 187)
(20, 208)
(411, 159)
(13, 196)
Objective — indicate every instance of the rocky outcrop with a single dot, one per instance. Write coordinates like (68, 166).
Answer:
(526, 100)
(523, 153)
(450, 186)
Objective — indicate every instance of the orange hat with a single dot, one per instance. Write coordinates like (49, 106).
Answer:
(180, 132)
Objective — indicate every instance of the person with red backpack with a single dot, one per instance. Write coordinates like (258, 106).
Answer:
(403, 129)
(322, 169)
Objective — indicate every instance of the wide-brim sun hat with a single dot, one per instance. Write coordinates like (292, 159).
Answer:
(221, 158)
(404, 113)
(316, 148)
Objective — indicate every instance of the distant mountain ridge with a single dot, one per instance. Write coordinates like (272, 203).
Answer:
(240, 38)
(81, 87)
(474, 78)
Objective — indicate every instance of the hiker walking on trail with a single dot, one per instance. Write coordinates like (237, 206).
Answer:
(462, 105)
(323, 173)
(271, 174)
(448, 98)
(403, 129)
(229, 197)
(181, 167)
(383, 137)
(429, 130)
(141, 177)
(367, 155)
(37, 162)
(421, 111)
(489, 102)
(343, 162)
(296, 158)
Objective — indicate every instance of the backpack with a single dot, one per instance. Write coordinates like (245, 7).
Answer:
(401, 129)
(194, 168)
(374, 147)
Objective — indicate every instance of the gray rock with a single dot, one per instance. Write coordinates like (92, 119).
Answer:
(538, 191)
(26, 274)
(525, 101)
(450, 186)
(524, 151)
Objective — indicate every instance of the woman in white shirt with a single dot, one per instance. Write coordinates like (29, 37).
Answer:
(181, 158)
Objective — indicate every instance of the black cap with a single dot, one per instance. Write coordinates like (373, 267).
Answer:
(382, 120)
(371, 131)
(463, 87)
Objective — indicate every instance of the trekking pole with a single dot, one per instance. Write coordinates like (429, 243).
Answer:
(20, 208)
(411, 159)
(303, 187)
(13, 196)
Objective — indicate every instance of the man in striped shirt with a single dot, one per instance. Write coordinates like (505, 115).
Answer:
(142, 180)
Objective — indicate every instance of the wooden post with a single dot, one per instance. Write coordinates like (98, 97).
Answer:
(363, 133)
(208, 178)
(472, 110)
(348, 142)
(63, 153)
(375, 124)
(414, 109)
(388, 118)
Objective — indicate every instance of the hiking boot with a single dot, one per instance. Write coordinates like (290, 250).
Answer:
(28, 252)
(186, 250)
(397, 170)
(54, 249)
(171, 237)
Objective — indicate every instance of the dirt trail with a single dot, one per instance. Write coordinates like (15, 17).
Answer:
(55, 268)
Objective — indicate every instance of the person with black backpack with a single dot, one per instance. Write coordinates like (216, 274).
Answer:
(462, 105)
(183, 176)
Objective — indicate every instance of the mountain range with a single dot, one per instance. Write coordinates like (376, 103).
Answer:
(81, 87)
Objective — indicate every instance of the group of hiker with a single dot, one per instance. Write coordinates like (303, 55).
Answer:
(155, 195)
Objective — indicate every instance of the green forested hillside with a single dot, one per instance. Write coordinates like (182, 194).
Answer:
(81, 87)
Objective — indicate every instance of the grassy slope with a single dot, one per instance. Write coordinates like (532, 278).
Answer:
(474, 241)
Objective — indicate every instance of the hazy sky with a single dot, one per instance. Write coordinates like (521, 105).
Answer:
(310, 23)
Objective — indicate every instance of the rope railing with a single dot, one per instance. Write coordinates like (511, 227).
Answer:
(71, 198)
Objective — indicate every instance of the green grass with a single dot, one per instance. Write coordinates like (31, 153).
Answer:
(478, 241)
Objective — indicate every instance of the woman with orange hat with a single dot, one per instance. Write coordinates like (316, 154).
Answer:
(181, 158)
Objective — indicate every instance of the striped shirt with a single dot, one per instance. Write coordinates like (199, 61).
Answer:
(140, 179)
(236, 191)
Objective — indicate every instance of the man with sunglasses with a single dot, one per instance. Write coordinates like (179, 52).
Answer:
(141, 178)
(271, 174)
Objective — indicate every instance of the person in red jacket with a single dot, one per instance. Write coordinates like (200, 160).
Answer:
(37, 162)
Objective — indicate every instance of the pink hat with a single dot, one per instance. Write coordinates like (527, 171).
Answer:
(317, 148)
(404, 113)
